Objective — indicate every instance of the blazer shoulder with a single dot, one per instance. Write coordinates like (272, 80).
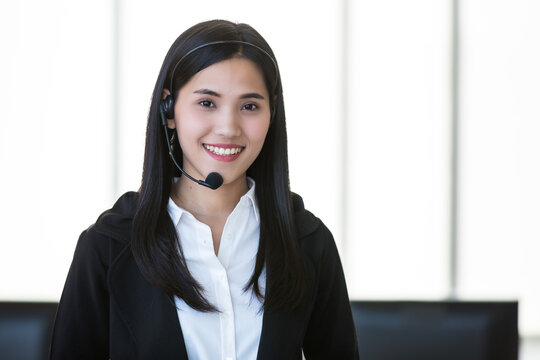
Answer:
(108, 236)
(116, 222)
(305, 222)
(314, 237)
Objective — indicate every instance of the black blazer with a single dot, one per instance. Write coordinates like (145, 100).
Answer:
(109, 310)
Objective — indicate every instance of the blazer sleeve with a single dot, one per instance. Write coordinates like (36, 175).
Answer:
(331, 332)
(81, 328)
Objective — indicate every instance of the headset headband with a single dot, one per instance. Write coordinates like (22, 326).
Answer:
(223, 42)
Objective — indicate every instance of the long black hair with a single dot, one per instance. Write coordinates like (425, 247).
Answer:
(155, 243)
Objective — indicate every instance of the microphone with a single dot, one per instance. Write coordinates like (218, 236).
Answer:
(212, 181)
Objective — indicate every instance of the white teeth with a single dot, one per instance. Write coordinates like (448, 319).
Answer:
(222, 151)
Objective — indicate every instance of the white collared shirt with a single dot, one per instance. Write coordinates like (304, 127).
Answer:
(234, 333)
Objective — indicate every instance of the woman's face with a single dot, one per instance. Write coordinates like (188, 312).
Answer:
(222, 116)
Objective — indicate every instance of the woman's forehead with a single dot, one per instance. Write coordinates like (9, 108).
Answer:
(236, 76)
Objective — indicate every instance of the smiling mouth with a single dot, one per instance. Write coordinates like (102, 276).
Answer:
(223, 151)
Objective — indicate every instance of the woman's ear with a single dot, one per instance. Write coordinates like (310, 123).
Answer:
(165, 93)
(171, 124)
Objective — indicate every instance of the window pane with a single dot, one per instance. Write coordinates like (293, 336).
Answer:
(398, 149)
(500, 197)
(55, 138)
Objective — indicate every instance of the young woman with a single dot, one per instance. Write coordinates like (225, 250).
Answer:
(230, 267)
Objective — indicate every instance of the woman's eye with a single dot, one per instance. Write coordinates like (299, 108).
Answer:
(206, 103)
(249, 107)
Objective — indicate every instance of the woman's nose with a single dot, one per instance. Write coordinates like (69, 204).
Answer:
(228, 123)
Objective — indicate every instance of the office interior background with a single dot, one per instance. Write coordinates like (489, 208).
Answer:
(413, 134)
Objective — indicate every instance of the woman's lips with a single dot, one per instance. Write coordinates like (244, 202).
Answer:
(223, 152)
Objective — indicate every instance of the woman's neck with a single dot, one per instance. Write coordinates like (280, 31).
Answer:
(204, 202)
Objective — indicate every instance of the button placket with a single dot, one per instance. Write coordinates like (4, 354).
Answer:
(205, 234)
(228, 239)
(226, 317)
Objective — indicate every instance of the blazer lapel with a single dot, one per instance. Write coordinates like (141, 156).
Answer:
(149, 313)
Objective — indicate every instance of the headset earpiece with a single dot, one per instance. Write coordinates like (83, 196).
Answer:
(167, 105)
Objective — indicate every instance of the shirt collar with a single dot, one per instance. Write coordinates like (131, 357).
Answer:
(176, 212)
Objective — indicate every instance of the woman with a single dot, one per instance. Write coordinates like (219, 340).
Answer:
(232, 267)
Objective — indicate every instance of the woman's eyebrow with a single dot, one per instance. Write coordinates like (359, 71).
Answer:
(207, 92)
(252, 95)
